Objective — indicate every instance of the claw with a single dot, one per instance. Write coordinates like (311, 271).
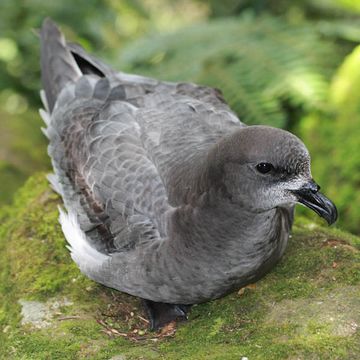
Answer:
(160, 314)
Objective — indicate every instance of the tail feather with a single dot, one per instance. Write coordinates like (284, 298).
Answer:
(63, 62)
(58, 66)
(84, 255)
(44, 100)
(45, 116)
(88, 63)
(55, 184)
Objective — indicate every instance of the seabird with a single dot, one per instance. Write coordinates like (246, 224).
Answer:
(168, 196)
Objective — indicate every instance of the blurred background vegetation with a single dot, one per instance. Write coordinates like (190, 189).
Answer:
(292, 64)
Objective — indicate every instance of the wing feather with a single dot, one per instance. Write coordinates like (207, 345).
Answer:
(123, 145)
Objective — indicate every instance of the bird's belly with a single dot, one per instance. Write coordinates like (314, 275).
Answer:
(200, 282)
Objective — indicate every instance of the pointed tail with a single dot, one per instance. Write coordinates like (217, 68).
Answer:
(58, 66)
(63, 62)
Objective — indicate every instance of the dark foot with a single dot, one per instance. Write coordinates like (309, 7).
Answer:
(160, 314)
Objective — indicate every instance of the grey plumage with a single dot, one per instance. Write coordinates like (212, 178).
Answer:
(160, 181)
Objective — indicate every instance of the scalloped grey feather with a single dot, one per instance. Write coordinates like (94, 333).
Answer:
(157, 180)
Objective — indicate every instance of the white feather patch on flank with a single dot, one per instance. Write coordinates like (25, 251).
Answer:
(84, 255)
(44, 100)
(45, 116)
(55, 184)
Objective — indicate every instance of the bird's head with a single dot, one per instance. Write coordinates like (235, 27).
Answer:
(263, 168)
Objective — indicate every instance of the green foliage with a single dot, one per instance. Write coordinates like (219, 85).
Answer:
(101, 25)
(335, 142)
(296, 9)
(11, 179)
(267, 68)
(18, 23)
(22, 151)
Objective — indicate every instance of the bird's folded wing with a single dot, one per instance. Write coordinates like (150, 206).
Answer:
(104, 173)
(177, 132)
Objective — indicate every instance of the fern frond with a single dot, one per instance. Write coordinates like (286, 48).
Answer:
(259, 63)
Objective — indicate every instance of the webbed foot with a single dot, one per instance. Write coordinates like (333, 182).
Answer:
(160, 314)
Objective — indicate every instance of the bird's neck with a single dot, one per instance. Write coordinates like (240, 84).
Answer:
(229, 246)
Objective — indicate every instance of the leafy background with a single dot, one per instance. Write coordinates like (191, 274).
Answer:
(292, 64)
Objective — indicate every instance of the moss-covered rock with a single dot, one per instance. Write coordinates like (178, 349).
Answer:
(306, 308)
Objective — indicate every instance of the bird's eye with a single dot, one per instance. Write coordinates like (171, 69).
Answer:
(264, 168)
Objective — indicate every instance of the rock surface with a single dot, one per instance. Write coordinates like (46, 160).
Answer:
(306, 308)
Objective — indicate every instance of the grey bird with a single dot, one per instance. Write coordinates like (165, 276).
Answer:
(168, 196)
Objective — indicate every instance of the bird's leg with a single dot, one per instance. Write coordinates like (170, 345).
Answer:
(160, 314)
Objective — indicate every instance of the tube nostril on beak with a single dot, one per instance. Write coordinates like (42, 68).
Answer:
(316, 189)
(313, 187)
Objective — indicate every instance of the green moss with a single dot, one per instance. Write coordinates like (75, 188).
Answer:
(305, 308)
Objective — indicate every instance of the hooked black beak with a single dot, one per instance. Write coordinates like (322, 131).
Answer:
(310, 196)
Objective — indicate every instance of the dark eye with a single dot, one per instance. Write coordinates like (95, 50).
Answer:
(264, 168)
